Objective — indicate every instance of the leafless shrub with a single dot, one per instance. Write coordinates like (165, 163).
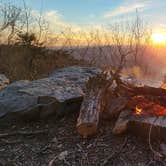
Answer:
(120, 45)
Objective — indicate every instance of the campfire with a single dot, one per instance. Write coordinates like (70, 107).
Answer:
(112, 98)
(138, 110)
(149, 108)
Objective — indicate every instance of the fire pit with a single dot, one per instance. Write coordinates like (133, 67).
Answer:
(138, 109)
(144, 115)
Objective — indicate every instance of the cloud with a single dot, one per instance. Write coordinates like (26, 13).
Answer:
(125, 9)
(55, 20)
(159, 28)
(62, 31)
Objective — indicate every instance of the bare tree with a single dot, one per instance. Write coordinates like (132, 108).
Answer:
(127, 43)
(27, 15)
(10, 16)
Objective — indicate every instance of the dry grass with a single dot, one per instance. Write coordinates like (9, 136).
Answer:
(20, 62)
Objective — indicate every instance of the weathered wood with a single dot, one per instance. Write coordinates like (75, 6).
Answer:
(110, 101)
(150, 91)
(140, 126)
(87, 122)
(121, 124)
(146, 90)
(114, 107)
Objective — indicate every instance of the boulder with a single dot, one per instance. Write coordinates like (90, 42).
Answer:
(76, 75)
(61, 92)
(4, 81)
(13, 102)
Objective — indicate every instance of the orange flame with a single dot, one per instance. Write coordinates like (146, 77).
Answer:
(138, 111)
(163, 86)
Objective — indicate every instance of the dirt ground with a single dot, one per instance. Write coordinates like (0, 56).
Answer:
(56, 142)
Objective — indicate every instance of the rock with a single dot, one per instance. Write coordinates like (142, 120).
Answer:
(4, 81)
(13, 102)
(60, 93)
(63, 155)
(75, 74)
(54, 140)
(59, 146)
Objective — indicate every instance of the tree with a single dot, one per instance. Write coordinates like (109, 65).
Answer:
(26, 39)
(10, 16)
(129, 41)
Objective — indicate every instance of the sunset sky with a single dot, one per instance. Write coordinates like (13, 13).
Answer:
(102, 12)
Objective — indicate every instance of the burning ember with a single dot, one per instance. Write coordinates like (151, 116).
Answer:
(150, 108)
(163, 86)
(143, 106)
(138, 111)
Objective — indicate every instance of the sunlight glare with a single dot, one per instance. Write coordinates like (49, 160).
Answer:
(158, 38)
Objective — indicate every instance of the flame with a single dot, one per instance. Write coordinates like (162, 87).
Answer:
(138, 111)
(163, 86)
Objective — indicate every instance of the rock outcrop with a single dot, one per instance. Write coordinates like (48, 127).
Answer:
(4, 81)
(76, 75)
(57, 94)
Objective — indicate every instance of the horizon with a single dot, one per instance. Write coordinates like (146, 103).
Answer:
(81, 17)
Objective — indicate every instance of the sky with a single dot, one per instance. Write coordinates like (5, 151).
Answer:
(81, 13)
(91, 15)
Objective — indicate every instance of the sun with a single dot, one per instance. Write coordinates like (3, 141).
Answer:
(158, 38)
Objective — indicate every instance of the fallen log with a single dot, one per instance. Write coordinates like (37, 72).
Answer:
(121, 124)
(114, 106)
(150, 91)
(92, 105)
(141, 126)
(87, 122)
(146, 90)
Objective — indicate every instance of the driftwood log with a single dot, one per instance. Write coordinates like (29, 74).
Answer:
(87, 122)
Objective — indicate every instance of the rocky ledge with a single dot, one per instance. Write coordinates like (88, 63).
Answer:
(59, 93)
